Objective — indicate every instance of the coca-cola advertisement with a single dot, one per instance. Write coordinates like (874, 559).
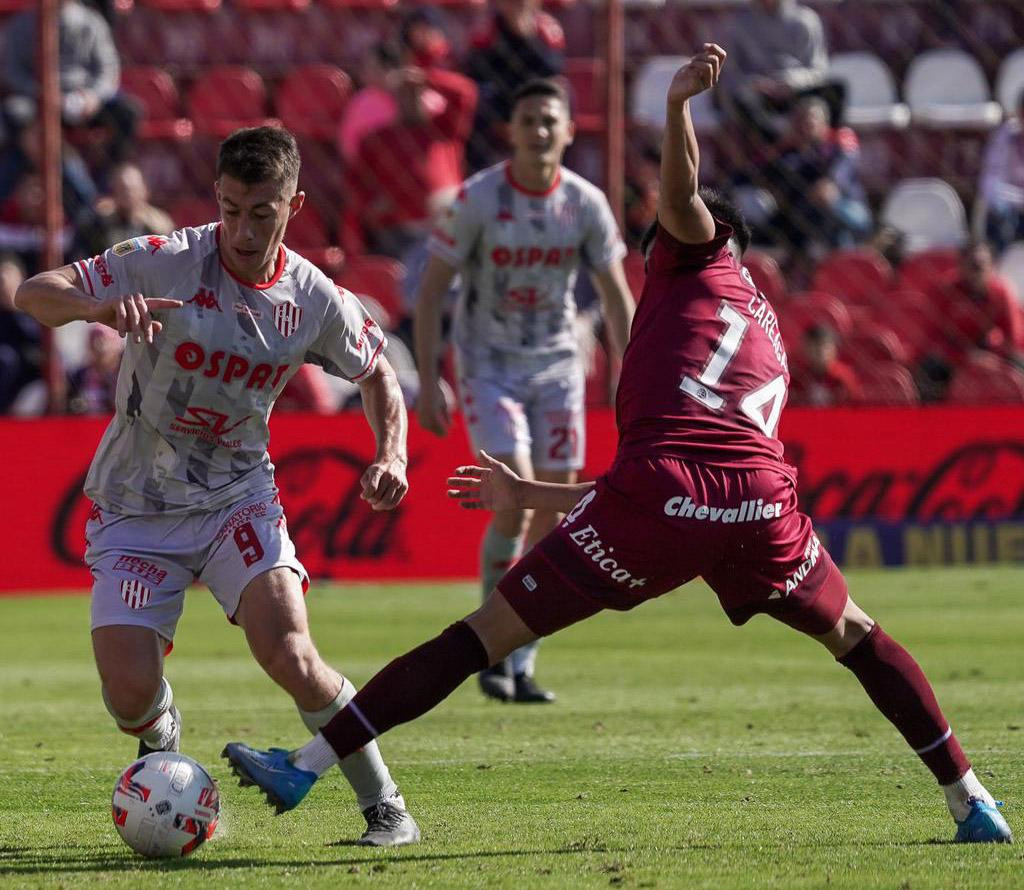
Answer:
(891, 486)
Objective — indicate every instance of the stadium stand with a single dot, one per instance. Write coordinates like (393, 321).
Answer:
(871, 97)
(948, 88)
(928, 212)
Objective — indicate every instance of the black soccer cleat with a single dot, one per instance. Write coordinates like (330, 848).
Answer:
(528, 692)
(175, 744)
(496, 682)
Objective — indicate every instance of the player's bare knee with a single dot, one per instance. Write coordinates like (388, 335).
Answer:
(130, 697)
(499, 627)
(293, 662)
(853, 625)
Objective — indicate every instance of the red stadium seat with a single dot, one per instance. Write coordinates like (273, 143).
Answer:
(767, 276)
(806, 309)
(873, 343)
(309, 236)
(194, 212)
(909, 314)
(919, 271)
(359, 4)
(987, 380)
(182, 5)
(380, 277)
(887, 383)
(227, 97)
(156, 92)
(859, 276)
(272, 5)
(586, 83)
(311, 99)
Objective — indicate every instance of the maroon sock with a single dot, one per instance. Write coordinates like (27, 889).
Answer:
(406, 688)
(900, 690)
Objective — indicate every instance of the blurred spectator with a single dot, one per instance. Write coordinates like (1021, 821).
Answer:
(22, 223)
(23, 156)
(307, 391)
(126, 212)
(821, 378)
(816, 183)
(1001, 184)
(422, 42)
(406, 172)
(642, 185)
(777, 55)
(94, 386)
(20, 353)
(372, 106)
(980, 308)
(517, 43)
(90, 74)
(978, 311)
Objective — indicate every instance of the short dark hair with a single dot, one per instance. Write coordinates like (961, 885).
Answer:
(721, 209)
(259, 154)
(820, 333)
(547, 87)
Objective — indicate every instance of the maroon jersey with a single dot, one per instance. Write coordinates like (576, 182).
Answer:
(705, 376)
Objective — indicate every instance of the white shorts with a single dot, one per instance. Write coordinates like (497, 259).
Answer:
(529, 413)
(141, 565)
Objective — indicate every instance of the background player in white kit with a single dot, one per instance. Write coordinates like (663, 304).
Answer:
(218, 319)
(518, 233)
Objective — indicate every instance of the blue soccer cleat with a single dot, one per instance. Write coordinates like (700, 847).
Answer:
(284, 784)
(984, 825)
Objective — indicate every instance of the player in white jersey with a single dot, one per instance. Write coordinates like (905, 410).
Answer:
(518, 234)
(218, 318)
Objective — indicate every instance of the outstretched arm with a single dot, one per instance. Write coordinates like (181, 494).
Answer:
(494, 486)
(56, 298)
(680, 209)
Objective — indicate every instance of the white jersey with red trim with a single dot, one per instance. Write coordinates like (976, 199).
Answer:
(190, 430)
(519, 253)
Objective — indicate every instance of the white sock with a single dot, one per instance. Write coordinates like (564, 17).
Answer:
(524, 658)
(159, 724)
(316, 756)
(959, 794)
(365, 769)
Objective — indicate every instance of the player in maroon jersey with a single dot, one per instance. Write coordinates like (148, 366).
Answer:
(698, 487)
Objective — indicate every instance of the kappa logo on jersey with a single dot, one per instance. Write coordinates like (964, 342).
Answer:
(155, 242)
(135, 594)
(95, 514)
(205, 299)
(123, 248)
(207, 424)
(286, 318)
(100, 265)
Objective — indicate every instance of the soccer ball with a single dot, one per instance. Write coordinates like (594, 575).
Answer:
(165, 804)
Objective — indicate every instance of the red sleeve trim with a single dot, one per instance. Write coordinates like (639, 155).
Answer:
(373, 361)
(84, 273)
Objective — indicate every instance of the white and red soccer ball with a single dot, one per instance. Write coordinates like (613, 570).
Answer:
(165, 804)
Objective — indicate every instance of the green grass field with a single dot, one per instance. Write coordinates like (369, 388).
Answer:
(682, 752)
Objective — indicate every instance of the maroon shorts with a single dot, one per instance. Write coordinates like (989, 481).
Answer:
(652, 524)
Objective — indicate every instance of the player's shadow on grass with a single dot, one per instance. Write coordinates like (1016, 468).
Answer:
(58, 858)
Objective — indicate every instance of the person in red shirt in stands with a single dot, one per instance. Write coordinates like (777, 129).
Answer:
(405, 172)
(979, 307)
(824, 379)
